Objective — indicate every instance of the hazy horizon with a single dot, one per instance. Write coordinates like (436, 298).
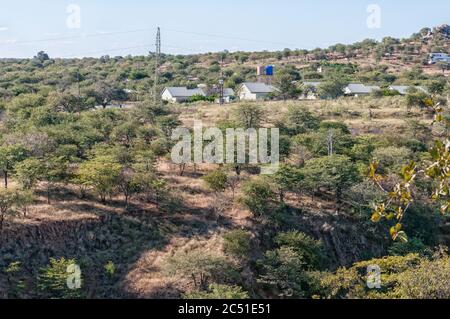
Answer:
(94, 28)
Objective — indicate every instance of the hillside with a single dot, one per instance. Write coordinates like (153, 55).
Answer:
(98, 188)
(391, 61)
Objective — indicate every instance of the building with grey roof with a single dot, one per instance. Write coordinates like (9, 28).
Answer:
(404, 89)
(253, 91)
(180, 94)
(358, 89)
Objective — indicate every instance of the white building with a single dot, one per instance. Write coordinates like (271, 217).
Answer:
(439, 57)
(357, 89)
(404, 89)
(255, 91)
(180, 94)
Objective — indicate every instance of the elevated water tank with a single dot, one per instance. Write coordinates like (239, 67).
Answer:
(269, 70)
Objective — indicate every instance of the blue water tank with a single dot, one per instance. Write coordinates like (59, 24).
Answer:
(269, 70)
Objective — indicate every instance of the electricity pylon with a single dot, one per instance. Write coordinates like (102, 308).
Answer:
(157, 59)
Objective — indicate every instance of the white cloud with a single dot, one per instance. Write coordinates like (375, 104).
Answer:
(4, 29)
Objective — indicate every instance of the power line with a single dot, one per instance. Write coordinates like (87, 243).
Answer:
(121, 49)
(104, 51)
(101, 34)
(73, 37)
(231, 37)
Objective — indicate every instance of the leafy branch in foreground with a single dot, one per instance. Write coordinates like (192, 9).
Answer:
(401, 197)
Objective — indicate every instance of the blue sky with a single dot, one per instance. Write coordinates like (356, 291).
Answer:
(192, 26)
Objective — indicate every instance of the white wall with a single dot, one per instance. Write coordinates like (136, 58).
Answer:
(166, 96)
(246, 95)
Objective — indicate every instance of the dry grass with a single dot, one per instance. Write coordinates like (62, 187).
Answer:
(363, 115)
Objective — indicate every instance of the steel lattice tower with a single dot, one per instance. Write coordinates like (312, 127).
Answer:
(157, 60)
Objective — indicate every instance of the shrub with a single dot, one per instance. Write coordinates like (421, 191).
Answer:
(352, 282)
(216, 180)
(237, 243)
(219, 292)
(391, 157)
(202, 267)
(335, 173)
(311, 250)
(430, 280)
(412, 246)
(52, 280)
(259, 197)
(283, 269)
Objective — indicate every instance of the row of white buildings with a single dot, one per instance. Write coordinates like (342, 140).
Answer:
(249, 91)
(255, 91)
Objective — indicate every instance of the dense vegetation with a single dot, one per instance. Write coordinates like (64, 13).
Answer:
(308, 232)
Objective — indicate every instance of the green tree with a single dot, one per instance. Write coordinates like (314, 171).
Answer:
(436, 87)
(29, 172)
(285, 83)
(101, 173)
(298, 120)
(42, 56)
(106, 92)
(331, 89)
(259, 197)
(310, 249)
(249, 115)
(237, 243)
(23, 200)
(52, 280)
(334, 173)
(10, 155)
(283, 269)
(216, 291)
(202, 267)
(418, 99)
(7, 201)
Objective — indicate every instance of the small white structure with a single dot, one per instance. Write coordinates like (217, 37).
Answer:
(404, 89)
(310, 91)
(439, 57)
(358, 89)
(228, 95)
(180, 94)
(254, 91)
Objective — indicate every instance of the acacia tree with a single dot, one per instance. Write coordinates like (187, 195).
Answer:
(9, 156)
(201, 266)
(29, 172)
(249, 115)
(7, 200)
(104, 93)
(285, 83)
(101, 173)
(400, 198)
(334, 173)
(331, 89)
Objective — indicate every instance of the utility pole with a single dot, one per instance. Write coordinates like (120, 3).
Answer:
(221, 82)
(157, 59)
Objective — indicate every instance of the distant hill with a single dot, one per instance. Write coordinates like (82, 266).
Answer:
(387, 61)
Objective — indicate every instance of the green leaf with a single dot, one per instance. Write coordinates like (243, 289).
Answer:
(376, 217)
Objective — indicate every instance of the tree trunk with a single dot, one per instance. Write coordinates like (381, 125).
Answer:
(48, 194)
(5, 173)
